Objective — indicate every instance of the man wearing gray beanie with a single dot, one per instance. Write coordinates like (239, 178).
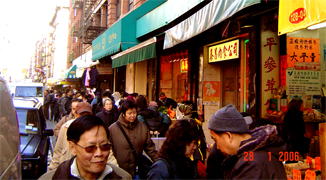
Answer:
(253, 154)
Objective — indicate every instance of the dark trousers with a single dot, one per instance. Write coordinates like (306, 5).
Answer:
(56, 117)
(46, 111)
(51, 112)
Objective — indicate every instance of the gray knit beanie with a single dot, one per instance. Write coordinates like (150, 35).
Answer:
(228, 119)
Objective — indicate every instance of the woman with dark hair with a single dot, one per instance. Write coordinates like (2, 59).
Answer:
(108, 115)
(89, 143)
(138, 134)
(175, 153)
(294, 128)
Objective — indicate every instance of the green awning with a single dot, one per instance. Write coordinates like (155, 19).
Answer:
(159, 17)
(122, 34)
(71, 72)
(140, 52)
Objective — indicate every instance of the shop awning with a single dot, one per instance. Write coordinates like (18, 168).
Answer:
(74, 81)
(143, 51)
(300, 14)
(71, 72)
(159, 18)
(122, 34)
(212, 14)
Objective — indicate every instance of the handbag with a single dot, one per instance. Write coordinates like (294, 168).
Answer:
(143, 164)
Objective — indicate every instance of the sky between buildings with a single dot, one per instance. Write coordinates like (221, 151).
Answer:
(22, 24)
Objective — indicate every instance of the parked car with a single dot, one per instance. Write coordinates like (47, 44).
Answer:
(35, 142)
(9, 136)
(27, 90)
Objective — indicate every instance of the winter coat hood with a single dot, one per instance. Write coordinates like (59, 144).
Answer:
(127, 124)
(263, 137)
(264, 140)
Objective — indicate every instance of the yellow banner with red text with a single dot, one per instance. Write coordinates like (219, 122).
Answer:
(300, 14)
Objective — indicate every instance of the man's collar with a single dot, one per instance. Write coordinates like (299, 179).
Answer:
(74, 171)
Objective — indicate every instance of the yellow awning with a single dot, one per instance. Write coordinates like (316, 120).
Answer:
(300, 14)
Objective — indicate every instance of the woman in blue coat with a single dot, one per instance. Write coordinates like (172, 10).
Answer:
(176, 152)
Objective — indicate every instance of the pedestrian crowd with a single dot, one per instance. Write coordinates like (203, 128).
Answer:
(110, 136)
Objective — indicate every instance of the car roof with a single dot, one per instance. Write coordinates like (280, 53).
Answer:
(27, 103)
(28, 84)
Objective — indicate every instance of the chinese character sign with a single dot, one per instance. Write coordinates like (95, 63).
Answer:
(225, 51)
(302, 50)
(104, 68)
(302, 82)
(184, 65)
(270, 61)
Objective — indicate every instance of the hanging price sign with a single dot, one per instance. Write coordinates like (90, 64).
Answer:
(317, 163)
(296, 174)
(310, 175)
(309, 160)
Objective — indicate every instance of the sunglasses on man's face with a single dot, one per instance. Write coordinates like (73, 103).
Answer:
(93, 148)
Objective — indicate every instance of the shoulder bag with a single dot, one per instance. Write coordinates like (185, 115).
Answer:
(143, 165)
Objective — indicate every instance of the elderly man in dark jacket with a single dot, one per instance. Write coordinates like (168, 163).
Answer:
(256, 152)
(165, 101)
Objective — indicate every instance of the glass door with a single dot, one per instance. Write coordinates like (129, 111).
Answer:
(231, 84)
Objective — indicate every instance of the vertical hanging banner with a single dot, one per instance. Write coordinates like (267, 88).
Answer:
(270, 61)
(283, 68)
(299, 14)
(302, 50)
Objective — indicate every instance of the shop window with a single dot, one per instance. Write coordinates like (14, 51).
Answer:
(118, 9)
(173, 76)
(131, 5)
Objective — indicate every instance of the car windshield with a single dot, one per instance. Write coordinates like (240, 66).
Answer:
(29, 91)
(28, 121)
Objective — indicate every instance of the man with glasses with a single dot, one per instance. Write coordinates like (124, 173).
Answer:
(89, 143)
(61, 151)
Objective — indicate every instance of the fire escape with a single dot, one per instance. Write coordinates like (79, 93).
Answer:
(93, 21)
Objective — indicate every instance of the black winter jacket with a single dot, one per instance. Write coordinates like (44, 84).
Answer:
(214, 161)
(264, 161)
(108, 117)
(48, 99)
(154, 120)
(293, 132)
(167, 103)
(66, 103)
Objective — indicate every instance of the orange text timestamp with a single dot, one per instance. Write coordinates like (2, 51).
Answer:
(283, 156)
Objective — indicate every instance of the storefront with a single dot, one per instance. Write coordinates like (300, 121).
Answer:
(116, 46)
(174, 76)
(302, 33)
(227, 62)
(135, 69)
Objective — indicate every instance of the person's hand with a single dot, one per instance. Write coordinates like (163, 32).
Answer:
(156, 133)
(312, 140)
(151, 132)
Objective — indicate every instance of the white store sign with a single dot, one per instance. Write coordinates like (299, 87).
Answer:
(300, 82)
